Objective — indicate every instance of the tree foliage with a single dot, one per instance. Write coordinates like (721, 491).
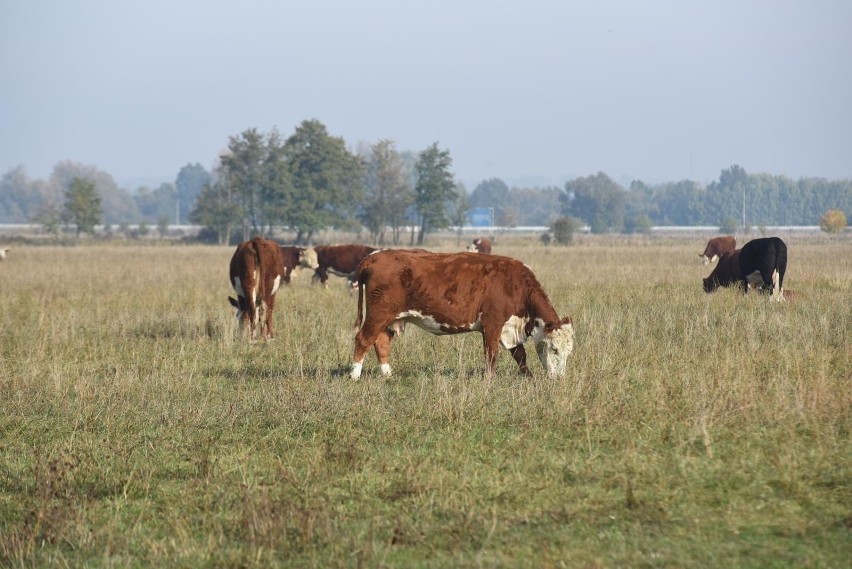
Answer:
(388, 192)
(190, 181)
(83, 205)
(216, 210)
(434, 189)
(597, 200)
(563, 229)
(326, 179)
(833, 221)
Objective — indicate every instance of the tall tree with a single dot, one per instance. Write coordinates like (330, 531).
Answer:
(492, 193)
(117, 203)
(434, 189)
(242, 169)
(156, 204)
(388, 192)
(327, 180)
(216, 209)
(190, 180)
(597, 200)
(83, 205)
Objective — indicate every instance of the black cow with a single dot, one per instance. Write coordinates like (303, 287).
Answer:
(762, 262)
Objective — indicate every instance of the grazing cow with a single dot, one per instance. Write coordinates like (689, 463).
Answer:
(717, 247)
(340, 260)
(296, 258)
(726, 272)
(761, 262)
(255, 273)
(451, 293)
(480, 245)
(3, 254)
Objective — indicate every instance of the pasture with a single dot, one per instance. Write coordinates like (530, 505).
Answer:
(691, 430)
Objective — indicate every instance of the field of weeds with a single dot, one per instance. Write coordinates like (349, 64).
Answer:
(690, 430)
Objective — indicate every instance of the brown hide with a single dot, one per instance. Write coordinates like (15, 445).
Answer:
(256, 264)
(462, 292)
(726, 272)
(290, 260)
(480, 245)
(340, 260)
(718, 246)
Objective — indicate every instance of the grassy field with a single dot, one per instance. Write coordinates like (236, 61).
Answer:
(691, 430)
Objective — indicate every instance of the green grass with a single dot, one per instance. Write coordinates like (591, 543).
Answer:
(691, 430)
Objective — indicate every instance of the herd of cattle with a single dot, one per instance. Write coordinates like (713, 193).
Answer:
(451, 293)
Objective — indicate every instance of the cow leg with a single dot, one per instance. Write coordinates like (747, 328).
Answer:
(382, 347)
(365, 339)
(268, 320)
(520, 355)
(491, 343)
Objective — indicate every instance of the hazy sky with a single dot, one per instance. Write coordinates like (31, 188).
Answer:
(532, 90)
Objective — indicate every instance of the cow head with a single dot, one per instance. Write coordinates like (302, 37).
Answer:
(710, 284)
(472, 248)
(308, 258)
(554, 344)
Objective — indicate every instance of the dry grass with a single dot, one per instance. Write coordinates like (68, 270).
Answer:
(691, 429)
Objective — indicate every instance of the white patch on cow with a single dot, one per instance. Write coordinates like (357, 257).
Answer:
(356, 370)
(714, 258)
(777, 292)
(538, 331)
(386, 370)
(554, 348)
(335, 272)
(238, 288)
(276, 283)
(472, 248)
(431, 325)
(513, 333)
(426, 322)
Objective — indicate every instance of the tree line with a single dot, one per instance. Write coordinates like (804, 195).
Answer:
(311, 181)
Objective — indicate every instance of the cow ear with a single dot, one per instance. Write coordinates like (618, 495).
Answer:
(567, 320)
(233, 302)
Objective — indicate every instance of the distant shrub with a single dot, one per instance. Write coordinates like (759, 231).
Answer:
(639, 224)
(563, 229)
(833, 221)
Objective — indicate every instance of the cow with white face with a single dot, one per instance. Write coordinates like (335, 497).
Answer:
(455, 293)
(297, 258)
(3, 254)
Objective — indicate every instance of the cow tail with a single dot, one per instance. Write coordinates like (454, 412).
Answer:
(359, 319)
(258, 291)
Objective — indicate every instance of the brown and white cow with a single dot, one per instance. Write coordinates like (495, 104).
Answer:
(340, 260)
(761, 262)
(717, 247)
(295, 258)
(480, 245)
(3, 254)
(451, 293)
(255, 273)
